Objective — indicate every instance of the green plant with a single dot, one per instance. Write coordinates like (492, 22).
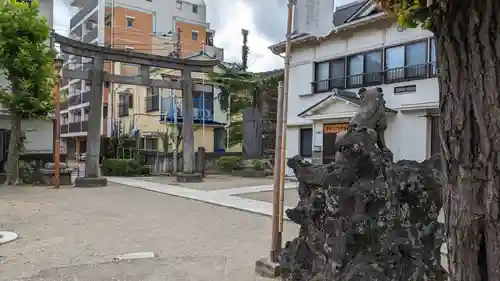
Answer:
(229, 163)
(258, 165)
(27, 173)
(121, 167)
(27, 62)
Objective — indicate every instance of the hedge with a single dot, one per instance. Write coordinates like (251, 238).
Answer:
(123, 167)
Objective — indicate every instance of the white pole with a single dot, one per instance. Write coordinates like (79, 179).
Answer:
(203, 115)
(174, 132)
(228, 121)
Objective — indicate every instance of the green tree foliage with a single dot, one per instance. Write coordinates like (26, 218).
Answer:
(27, 62)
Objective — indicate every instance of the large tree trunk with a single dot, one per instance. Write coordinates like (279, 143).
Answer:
(468, 54)
(15, 146)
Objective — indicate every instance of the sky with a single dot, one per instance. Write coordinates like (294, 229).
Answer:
(264, 19)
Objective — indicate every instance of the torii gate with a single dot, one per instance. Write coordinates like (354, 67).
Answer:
(98, 76)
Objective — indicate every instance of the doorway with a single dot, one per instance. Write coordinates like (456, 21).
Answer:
(330, 132)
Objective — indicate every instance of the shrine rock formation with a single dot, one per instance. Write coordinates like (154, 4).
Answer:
(365, 218)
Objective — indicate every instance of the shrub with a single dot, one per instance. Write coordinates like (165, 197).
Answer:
(121, 167)
(229, 163)
(258, 165)
(27, 173)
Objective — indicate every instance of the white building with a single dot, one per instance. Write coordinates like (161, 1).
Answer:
(365, 49)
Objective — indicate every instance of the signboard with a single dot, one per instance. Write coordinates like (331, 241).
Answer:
(334, 128)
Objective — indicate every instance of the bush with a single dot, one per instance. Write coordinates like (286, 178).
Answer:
(27, 173)
(258, 165)
(229, 163)
(121, 167)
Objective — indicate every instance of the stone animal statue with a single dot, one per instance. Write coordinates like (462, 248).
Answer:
(371, 114)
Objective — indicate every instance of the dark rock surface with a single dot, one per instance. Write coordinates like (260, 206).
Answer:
(365, 218)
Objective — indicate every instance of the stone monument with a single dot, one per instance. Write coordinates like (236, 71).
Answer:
(364, 217)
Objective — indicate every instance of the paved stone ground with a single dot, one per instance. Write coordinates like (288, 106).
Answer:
(214, 182)
(73, 234)
(291, 196)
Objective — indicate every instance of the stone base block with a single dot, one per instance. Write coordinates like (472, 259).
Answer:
(91, 182)
(267, 268)
(195, 177)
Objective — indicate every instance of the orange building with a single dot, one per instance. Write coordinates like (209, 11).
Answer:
(136, 26)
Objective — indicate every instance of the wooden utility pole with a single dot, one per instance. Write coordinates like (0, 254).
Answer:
(279, 181)
(57, 147)
(288, 48)
(276, 238)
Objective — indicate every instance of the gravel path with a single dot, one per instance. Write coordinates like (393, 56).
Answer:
(73, 234)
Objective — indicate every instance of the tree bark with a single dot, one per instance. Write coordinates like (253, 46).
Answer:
(468, 53)
(14, 151)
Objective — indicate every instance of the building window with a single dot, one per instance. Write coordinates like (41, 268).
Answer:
(151, 144)
(355, 71)
(306, 135)
(179, 5)
(400, 63)
(153, 99)
(394, 63)
(432, 57)
(406, 62)
(124, 103)
(373, 68)
(194, 35)
(322, 76)
(130, 22)
(195, 9)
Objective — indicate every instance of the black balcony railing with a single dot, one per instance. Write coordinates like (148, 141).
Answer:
(86, 96)
(152, 103)
(64, 105)
(64, 129)
(74, 100)
(75, 127)
(83, 12)
(85, 126)
(395, 75)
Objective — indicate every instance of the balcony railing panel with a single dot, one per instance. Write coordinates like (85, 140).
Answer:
(64, 129)
(86, 96)
(75, 127)
(394, 75)
(64, 105)
(85, 126)
(74, 100)
(92, 4)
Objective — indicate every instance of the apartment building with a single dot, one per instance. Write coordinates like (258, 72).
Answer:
(149, 26)
(151, 112)
(366, 49)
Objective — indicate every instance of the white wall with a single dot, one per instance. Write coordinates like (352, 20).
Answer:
(39, 134)
(407, 135)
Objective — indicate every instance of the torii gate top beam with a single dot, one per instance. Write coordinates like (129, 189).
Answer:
(79, 48)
